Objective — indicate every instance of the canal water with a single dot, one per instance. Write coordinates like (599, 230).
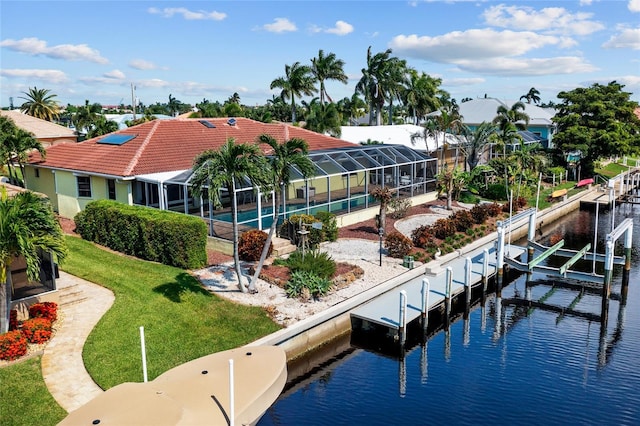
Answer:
(504, 365)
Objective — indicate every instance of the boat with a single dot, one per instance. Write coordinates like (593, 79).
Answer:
(197, 392)
(559, 193)
(584, 182)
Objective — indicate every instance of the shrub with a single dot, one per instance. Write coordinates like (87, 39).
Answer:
(251, 244)
(496, 191)
(462, 219)
(13, 320)
(316, 262)
(13, 345)
(520, 202)
(329, 231)
(423, 237)
(399, 207)
(304, 282)
(443, 228)
(494, 209)
(397, 244)
(37, 330)
(479, 213)
(47, 310)
(158, 235)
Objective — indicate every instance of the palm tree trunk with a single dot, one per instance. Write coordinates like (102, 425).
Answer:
(236, 257)
(5, 302)
(265, 249)
(293, 109)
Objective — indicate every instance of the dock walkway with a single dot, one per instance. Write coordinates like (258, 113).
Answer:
(384, 309)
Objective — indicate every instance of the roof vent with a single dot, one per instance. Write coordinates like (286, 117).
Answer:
(231, 122)
(207, 123)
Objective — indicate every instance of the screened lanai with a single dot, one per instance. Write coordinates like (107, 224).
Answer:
(342, 183)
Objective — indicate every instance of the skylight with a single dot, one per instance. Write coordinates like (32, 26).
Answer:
(207, 123)
(116, 139)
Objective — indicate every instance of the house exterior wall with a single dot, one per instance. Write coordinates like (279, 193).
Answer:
(62, 189)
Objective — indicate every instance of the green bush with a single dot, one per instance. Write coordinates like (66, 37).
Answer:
(158, 235)
(315, 262)
(300, 281)
(399, 207)
(251, 244)
(495, 191)
(397, 244)
(329, 231)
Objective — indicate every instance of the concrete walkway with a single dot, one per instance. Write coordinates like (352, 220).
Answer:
(62, 364)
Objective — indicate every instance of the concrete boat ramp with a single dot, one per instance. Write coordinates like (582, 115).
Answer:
(389, 310)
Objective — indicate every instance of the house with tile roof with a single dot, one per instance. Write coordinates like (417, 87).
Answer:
(46, 132)
(150, 164)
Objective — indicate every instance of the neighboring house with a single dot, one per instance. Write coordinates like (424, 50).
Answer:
(476, 111)
(121, 119)
(150, 164)
(46, 132)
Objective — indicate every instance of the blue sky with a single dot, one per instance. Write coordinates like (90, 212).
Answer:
(194, 50)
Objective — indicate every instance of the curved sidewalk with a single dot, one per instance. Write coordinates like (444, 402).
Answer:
(62, 365)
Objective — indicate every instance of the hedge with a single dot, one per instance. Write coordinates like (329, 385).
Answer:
(158, 235)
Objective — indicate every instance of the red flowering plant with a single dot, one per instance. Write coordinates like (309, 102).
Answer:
(13, 320)
(13, 345)
(48, 310)
(37, 330)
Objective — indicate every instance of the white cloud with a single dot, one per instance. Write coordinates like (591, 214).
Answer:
(585, 2)
(141, 64)
(115, 74)
(528, 66)
(471, 44)
(456, 82)
(341, 28)
(154, 82)
(280, 25)
(200, 15)
(71, 52)
(549, 19)
(628, 38)
(634, 5)
(48, 76)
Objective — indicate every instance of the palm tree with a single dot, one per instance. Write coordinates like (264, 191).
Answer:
(477, 142)
(447, 121)
(327, 68)
(297, 81)
(395, 81)
(40, 103)
(384, 194)
(323, 119)
(15, 145)
(371, 84)
(532, 95)
(226, 168)
(85, 118)
(282, 157)
(351, 109)
(420, 94)
(102, 126)
(27, 226)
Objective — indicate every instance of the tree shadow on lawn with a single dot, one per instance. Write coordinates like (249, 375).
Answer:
(183, 283)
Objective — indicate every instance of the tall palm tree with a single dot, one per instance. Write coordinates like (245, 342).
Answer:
(327, 68)
(420, 94)
(395, 81)
(15, 146)
(282, 157)
(27, 225)
(40, 103)
(298, 80)
(351, 109)
(85, 118)
(509, 121)
(446, 121)
(102, 126)
(532, 95)
(225, 168)
(372, 83)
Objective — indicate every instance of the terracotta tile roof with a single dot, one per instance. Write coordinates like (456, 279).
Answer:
(42, 129)
(169, 145)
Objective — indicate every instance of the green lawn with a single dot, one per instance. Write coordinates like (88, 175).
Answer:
(613, 169)
(182, 322)
(24, 398)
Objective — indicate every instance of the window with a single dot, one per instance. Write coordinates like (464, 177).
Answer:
(111, 189)
(37, 172)
(84, 186)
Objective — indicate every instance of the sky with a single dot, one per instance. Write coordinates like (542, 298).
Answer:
(99, 50)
